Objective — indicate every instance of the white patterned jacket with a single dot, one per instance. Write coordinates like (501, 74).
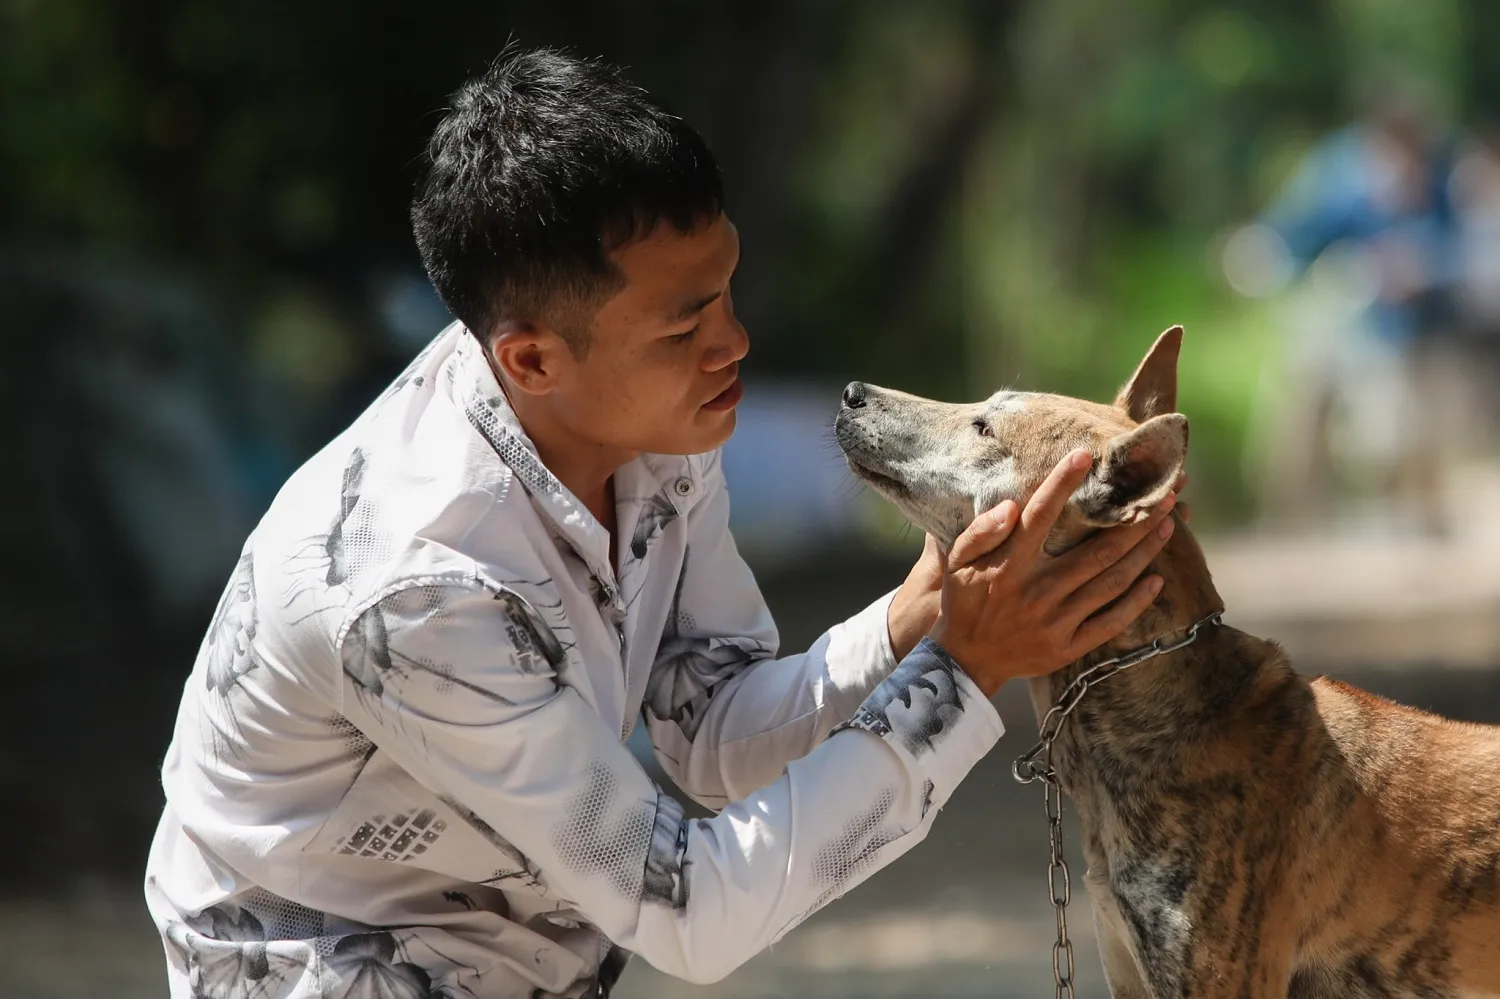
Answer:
(399, 767)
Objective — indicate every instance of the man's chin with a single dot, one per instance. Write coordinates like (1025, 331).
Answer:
(718, 435)
(725, 428)
(705, 435)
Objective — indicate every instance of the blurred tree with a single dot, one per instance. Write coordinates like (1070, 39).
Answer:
(948, 195)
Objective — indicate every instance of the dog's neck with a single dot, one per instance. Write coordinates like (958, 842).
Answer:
(1187, 596)
(1160, 694)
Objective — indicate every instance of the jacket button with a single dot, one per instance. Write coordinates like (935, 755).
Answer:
(684, 486)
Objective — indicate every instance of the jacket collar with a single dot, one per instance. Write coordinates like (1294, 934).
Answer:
(489, 411)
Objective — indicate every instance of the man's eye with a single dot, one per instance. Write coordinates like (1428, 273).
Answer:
(984, 428)
(683, 337)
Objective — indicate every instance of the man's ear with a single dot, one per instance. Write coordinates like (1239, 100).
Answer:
(1137, 471)
(529, 355)
(1152, 390)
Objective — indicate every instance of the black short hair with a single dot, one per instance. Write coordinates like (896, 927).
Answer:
(542, 166)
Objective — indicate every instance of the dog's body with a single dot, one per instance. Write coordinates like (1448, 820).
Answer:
(1249, 832)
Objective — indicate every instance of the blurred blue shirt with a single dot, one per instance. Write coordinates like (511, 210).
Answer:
(1338, 194)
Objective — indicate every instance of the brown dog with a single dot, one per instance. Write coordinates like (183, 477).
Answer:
(1250, 833)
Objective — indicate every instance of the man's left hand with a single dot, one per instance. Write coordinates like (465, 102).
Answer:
(914, 608)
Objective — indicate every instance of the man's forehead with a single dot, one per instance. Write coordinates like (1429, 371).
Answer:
(673, 274)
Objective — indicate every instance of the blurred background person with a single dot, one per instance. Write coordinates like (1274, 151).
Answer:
(1370, 345)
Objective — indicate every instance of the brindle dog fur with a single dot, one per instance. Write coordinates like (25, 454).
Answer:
(1249, 832)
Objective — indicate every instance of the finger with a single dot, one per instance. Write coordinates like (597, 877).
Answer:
(1184, 511)
(1107, 624)
(1046, 504)
(930, 564)
(1108, 585)
(988, 532)
(1099, 553)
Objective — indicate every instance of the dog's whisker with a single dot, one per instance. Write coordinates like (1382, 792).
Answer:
(851, 488)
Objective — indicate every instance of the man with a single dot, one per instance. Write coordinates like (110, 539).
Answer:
(399, 766)
(1371, 384)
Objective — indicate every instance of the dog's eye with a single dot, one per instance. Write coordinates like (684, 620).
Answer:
(983, 426)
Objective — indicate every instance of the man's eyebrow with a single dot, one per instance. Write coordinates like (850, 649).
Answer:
(695, 306)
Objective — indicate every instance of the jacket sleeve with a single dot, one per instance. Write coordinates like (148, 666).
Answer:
(446, 677)
(724, 715)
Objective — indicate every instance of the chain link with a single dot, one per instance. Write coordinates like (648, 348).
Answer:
(1036, 765)
(1062, 893)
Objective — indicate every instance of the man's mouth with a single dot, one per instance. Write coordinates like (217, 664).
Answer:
(729, 398)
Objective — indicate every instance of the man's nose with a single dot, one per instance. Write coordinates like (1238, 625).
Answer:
(740, 345)
(854, 395)
(733, 347)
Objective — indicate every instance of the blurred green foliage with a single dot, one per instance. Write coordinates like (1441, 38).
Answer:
(947, 195)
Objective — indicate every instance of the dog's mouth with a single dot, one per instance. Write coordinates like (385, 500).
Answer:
(854, 442)
(880, 480)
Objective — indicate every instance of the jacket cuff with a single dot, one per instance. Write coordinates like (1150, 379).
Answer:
(859, 655)
(932, 714)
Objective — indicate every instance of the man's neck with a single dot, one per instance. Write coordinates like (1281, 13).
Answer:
(585, 467)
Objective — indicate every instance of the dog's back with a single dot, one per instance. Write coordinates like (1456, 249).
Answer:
(1418, 908)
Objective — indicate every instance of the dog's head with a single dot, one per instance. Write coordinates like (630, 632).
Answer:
(943, 463)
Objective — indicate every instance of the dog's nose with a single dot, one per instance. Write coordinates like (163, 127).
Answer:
(854, 395)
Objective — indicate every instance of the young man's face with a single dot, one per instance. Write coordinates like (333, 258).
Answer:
(662, 370)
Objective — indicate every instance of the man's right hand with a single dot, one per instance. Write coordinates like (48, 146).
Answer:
(1011, 610)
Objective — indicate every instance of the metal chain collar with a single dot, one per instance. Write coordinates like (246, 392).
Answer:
(1036, 765)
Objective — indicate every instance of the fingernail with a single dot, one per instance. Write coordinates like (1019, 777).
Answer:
(1168, 503)
(1166, 528)
(1082, 459)
(1154, 585)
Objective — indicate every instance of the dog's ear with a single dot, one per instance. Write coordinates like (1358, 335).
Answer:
(1152, 390)
(1137, 471)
